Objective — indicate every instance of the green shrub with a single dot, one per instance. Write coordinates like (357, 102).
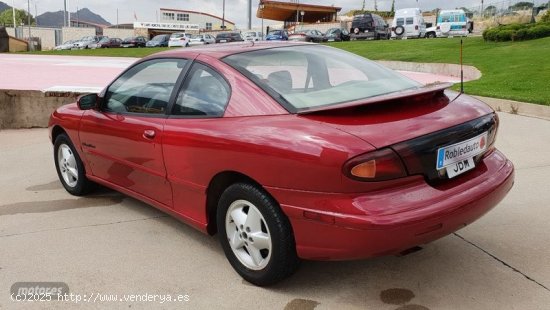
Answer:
(539, 31)
(546, 17)
(517, 32)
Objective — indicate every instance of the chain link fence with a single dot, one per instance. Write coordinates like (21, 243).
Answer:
(490, 14)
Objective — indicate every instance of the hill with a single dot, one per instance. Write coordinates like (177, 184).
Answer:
(4, 7)
(55, 19)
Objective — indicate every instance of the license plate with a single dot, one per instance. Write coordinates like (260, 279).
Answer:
(449, 156)
(331, 40)
(223, 41)
(460, 167)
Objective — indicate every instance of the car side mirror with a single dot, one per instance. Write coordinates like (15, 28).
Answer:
(87, 102)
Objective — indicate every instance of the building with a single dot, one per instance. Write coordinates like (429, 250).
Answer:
(172, 20)
(292, 13)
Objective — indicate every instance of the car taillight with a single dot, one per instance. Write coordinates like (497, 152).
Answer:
(438, 27)
(379, 165)
(416, 27)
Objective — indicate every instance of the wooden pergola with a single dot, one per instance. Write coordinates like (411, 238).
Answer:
(292, 12)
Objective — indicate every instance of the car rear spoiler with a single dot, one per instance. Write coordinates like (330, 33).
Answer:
(430, 88)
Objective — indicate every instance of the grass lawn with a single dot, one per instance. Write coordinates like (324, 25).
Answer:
(512, 70)
(111, 52)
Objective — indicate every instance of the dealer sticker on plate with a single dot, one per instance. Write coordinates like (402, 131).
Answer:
(459, 158)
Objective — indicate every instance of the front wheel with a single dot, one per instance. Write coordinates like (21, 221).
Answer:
(70, 168)
(255, 235)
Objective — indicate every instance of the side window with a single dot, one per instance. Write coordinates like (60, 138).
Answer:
(410, 20)
(400, 22)
(145, 88)
(204, 93)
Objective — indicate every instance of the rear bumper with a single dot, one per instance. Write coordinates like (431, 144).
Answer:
(390, 221)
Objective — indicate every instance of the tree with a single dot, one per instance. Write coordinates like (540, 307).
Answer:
(21, 17)
(392, 7)
(522, 6)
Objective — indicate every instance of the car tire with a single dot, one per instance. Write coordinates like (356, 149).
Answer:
(70, 168)
(399, 30)
(263, 250)
(430, 35)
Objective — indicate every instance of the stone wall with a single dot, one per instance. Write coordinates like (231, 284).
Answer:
(46, 35)
(29, 108)
(73, 33)
(118, 33)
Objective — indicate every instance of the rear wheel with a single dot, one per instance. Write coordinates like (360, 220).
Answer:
(430, 35)
(70, 168)
(255, 235)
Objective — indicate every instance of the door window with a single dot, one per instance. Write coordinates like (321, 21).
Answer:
(204, 93)
(145, 88)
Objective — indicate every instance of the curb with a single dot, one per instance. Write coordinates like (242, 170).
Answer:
(517, 107)
(470, 73)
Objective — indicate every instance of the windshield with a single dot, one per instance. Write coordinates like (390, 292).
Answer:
(275, 33)
(104, 40)
(176, 35)
(158, 38)
(332, 31)
(305, 77)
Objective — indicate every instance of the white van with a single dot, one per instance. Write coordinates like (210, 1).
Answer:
(408, 23)
(450, 23)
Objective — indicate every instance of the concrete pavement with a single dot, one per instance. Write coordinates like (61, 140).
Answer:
(111, 244)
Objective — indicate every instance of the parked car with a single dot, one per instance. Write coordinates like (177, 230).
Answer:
(67, 45)
(408, 23)
(107, 43)
(277, 35)
(202, 39)
(253, 36)
(307, 36)
(179, 39)
(450, 23)
(134, 42)
(87, 42)
(227, 37)
(160, 40)
(360, 162)
(337, 34)
(369, 26)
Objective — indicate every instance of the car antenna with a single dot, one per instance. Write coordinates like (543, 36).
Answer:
(461, 72)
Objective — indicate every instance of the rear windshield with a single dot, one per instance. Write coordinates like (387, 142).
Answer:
(275, 32)
(400, 22)
(223, 35)
(304, 77)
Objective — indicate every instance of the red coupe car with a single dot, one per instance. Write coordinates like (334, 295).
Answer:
(287, 152)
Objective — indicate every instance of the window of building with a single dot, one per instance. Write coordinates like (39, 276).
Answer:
(167, 16)
(183, 17)
(208, 26)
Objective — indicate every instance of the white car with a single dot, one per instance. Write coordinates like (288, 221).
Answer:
(87, 42)
(253, 36)
(202, 39)
(67, 45)
(179, 39)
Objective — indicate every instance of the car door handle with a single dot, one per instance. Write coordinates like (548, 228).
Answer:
(149, 134)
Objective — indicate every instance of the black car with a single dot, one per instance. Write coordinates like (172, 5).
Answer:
(337, 34)
(369, 26)
(160, 40)
(227, 37)
(134, 42)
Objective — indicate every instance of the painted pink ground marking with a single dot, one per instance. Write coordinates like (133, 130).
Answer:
(39, 72)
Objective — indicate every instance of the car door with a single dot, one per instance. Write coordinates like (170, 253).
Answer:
(122, 140)
(188, 144)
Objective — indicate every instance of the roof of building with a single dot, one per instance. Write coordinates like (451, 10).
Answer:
(284, 11)
(197, 12)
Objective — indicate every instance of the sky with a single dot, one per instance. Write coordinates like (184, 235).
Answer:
(235, 10)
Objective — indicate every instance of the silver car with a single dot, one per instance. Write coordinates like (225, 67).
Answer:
(202, 39)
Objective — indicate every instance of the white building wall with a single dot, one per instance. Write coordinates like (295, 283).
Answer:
(46, 35)
(196, 18)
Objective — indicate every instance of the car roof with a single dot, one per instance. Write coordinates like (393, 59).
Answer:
(223, 50)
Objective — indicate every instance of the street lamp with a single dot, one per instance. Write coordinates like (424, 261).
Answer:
(302, 13)
(262, 6)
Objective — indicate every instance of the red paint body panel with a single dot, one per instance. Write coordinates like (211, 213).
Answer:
(298, 159)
